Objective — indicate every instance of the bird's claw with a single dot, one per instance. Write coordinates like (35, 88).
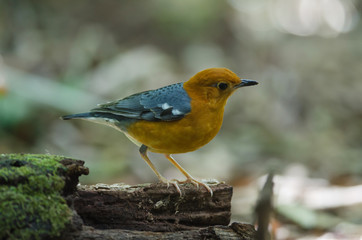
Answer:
(193, 181)
(173, 182)
(196, 183)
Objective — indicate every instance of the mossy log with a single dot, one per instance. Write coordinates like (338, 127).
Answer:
(147, 211)
(32, 191)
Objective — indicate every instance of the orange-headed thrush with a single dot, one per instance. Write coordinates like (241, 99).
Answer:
(177, 118)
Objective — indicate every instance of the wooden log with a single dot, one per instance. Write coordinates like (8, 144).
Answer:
(153, 207)
(75, 168)
(147, 211)
(237, 231)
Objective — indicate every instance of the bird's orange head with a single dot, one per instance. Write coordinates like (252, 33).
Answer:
(215, 85)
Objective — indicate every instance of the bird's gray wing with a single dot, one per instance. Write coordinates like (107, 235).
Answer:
(164, 104)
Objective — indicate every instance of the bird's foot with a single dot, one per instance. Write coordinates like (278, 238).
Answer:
(196, 183)
(173, 182)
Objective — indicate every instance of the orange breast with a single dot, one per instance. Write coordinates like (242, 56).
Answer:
(188, 134)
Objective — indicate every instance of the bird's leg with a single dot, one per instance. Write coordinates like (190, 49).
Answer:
(143, 152)
(189, 178)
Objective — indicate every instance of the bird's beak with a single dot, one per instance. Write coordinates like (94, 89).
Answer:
(246, 82)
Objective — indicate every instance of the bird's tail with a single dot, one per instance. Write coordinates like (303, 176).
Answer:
(95, 116)
(78, 115)
(109, 119)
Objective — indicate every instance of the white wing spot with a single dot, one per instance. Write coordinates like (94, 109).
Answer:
(100, 104)
(176, 112)
(165, 106)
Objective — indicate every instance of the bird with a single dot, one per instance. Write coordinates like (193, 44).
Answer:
(177, 118)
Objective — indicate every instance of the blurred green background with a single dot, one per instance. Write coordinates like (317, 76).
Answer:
(63, 57)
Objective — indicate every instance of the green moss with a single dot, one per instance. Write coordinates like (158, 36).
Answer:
(31, 205)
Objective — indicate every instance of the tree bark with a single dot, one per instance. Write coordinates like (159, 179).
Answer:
(153, 211)
(153, 207)
(236, 231)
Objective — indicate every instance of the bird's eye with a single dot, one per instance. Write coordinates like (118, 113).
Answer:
(222, 86)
